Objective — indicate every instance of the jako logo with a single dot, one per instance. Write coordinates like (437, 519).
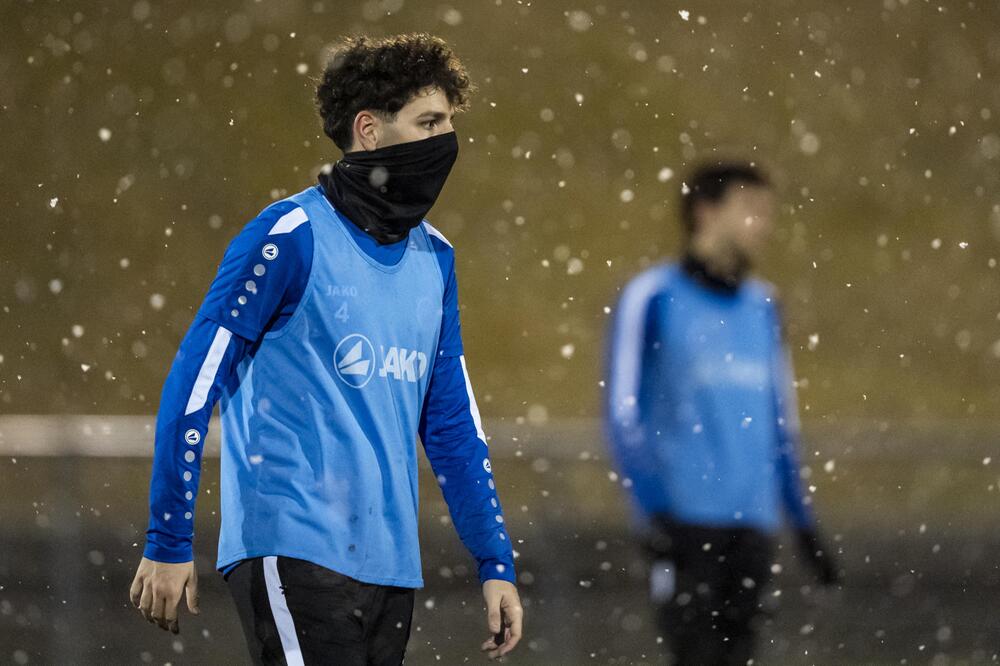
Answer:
(354, 361)
(403, 364)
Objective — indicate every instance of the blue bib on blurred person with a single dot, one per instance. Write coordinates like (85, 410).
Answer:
(319, 438)
(701, 379)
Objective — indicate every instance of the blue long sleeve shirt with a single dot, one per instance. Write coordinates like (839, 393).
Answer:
(701, 410)
(223, 338)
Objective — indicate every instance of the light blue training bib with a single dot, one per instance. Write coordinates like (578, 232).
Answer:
(319, 457)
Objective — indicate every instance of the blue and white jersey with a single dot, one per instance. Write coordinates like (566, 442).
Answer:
(330, 355)
(701, 408)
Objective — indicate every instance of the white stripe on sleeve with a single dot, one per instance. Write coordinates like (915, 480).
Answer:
(288, 222)
(437, 234)
(282, 616)
(206, 376)
(626, 354)
(473, 407)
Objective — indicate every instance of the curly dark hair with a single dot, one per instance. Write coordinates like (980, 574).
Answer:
(383, 75)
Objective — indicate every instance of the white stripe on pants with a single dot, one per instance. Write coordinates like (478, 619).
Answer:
(282, 616)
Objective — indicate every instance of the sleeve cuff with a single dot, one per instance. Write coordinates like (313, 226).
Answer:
(497, 569)
(169, 554)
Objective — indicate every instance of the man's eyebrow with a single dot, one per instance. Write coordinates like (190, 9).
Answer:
(437, 115)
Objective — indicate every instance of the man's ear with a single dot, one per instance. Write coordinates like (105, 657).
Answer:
(367, 129)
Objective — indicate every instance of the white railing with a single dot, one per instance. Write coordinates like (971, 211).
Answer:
(955, 440)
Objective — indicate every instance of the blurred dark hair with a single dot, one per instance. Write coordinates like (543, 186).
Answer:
(711, 182)
(383, 75)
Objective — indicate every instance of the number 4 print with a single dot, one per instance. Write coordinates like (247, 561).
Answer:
(341, 312)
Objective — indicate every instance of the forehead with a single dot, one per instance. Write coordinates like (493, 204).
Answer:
(748, 194)
(428, 100)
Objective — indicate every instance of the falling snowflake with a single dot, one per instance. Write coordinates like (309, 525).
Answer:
(579, 20)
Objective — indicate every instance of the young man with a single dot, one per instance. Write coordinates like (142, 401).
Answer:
(331, 336)
(702, 418)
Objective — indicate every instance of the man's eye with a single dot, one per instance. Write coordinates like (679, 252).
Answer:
(430, 124)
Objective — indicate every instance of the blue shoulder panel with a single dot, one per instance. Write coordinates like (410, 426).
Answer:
(264, 272)
(450, 343)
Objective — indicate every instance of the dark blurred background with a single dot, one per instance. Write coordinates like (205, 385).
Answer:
(138, 137)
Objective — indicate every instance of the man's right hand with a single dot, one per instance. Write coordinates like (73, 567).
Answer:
(157, 588)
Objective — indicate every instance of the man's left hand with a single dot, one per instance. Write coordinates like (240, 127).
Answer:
(504, 616)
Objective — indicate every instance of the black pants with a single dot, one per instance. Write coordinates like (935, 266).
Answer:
(294, 612)
(718, 575)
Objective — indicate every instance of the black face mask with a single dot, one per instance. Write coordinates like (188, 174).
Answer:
(726, 283)
(388, 191)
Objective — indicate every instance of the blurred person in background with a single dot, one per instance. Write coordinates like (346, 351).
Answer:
(703, 422)
(331, 335)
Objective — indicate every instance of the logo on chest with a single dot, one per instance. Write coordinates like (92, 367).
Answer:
(355, 361)
(731, 372)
